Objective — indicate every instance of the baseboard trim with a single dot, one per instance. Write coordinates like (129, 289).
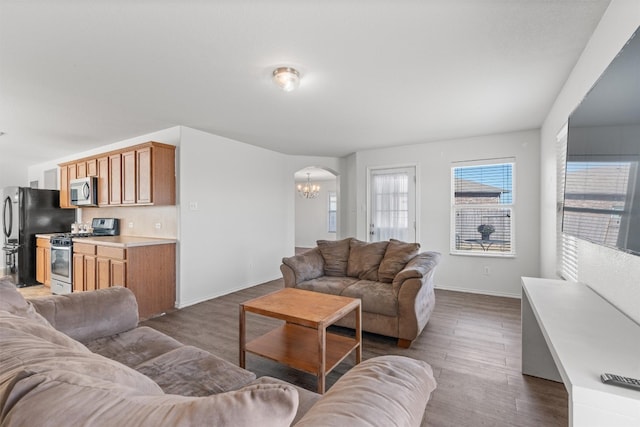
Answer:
(479, 292)
(182, 304)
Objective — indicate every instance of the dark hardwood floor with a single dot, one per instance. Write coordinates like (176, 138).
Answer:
(471, 341)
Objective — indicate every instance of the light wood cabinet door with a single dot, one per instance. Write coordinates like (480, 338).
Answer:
(90, 272)
(40, 261)
(103, 267)
(92, 167)
(47, 267)
(129, 177)
(43, 261)
(118, 273)
(103, 180)
(64, 187)
(115, 179)
(81, 170)
(143, 175)
(78, 273)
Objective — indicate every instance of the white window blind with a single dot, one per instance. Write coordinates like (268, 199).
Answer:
(566, 246)
(333, 208)
(482, 208)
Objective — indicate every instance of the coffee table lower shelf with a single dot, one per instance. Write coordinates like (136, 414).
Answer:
(297, 346)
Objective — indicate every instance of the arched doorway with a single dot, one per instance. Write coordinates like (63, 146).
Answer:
(317, 216)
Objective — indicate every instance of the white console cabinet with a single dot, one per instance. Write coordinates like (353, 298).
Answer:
(571, 334)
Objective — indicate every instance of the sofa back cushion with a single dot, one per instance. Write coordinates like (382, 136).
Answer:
(397, 255)
(336, 256)
(13, 302)
(364, 259)
(68, 398)
(86, 316)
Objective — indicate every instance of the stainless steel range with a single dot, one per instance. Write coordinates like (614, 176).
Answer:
(62, 252)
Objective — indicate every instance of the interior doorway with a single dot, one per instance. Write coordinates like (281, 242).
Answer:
(317, 206)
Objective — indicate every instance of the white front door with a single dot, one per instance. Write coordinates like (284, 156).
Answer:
(392, 211)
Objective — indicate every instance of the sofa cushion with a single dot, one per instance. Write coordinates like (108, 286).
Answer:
(12, 301)
(327, 284)
(397, 255)
(336, 256)
(23, 351)
(134, 347)
(69, 398)
(85, 316)
(34, 328)
(306, 398)
(190, 371)
(377, 297)
(383, 391)
(364, 259)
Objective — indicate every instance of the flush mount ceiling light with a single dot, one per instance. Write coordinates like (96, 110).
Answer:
(286, 78)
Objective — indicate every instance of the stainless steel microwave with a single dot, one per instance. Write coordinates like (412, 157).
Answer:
(84, 191)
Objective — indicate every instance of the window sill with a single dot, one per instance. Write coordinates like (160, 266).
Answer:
(487, 254)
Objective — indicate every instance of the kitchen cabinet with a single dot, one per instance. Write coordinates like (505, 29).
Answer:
(111, 266)
(115, 179)
(84, 267)
(100, 266)
(143, 174)
(129, 177)
(67, 173)
(92, 167)
(102, 164)
(43, 261)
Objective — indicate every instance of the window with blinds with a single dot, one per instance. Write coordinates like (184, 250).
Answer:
(332, 214)
(566, 246)
(482, 208)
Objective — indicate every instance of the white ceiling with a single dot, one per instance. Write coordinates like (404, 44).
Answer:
(79, 74)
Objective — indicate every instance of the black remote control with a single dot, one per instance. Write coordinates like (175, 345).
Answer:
(618, 380)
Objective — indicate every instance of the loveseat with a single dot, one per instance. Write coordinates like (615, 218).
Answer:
(82, 360)
(393, 280)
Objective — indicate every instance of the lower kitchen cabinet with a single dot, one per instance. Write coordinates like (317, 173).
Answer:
(43, 261)
(149, 271)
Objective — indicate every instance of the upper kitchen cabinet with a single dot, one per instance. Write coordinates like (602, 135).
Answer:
(134, 176)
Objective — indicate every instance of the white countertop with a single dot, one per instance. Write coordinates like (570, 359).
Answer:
(117, 241)
(124, 241)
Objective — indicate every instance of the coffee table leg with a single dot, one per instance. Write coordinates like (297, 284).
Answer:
(322, 348)
(242, 336)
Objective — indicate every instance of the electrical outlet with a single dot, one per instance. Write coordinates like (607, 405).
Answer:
(131, 224)
(486, 270)
(158, 226)
(193, 206)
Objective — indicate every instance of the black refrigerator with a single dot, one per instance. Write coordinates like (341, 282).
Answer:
(25, 213)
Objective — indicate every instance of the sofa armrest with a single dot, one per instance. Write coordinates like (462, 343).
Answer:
(383, 391)
(307, 266)
(85, 316)
(419, 267)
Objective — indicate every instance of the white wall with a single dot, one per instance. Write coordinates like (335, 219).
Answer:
(433, 161)
(245, 220)
(613, 274)
(234, 238)
(312, 215)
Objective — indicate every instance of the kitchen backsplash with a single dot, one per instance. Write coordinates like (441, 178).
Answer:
(146, 221)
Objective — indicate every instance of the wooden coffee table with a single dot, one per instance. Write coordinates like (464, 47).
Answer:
(303, 341)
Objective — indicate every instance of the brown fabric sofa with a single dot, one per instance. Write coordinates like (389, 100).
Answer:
(81, 360)
(393, 280)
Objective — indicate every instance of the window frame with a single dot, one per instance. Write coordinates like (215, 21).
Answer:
(476, 250)
(332, 196)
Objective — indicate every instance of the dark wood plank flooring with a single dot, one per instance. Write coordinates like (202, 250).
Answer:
(471, 341)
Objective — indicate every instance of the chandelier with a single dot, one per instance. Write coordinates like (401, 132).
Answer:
(307, 190)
